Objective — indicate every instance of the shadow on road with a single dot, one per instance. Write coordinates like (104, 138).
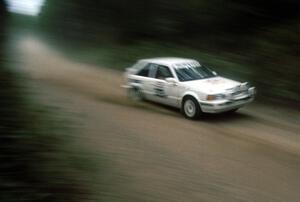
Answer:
(222, 117)
(228, 117)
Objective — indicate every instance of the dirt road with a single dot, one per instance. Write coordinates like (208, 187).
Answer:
(157, 155)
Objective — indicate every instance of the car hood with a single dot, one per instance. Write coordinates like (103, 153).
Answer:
(212, 85)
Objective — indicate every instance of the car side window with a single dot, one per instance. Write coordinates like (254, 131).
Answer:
(144, 71)
(163, 72)
(153, 69)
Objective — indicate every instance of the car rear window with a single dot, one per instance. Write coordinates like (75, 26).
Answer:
(144, 71)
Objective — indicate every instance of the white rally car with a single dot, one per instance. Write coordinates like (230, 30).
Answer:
(186, 84)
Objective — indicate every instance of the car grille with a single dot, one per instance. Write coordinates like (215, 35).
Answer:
(239, 93)
(235, 93)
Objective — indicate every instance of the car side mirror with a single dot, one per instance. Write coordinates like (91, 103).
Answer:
(215, 73)
(171, 80)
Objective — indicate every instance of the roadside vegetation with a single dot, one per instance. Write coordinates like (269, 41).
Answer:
(38, 162)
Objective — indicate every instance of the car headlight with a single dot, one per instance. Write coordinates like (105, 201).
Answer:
(215, 97)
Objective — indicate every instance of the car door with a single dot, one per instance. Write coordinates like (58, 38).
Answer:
(141, 79)
(163, 91)
(149, 91)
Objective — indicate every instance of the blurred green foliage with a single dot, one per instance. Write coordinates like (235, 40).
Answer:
(35, 163)
(193, 22)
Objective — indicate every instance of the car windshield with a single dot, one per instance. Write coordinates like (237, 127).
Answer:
(190, 73)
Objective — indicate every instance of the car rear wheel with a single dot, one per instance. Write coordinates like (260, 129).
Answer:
(135, 94)
(191, 108)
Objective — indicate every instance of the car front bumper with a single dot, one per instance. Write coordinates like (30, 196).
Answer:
(219, 106)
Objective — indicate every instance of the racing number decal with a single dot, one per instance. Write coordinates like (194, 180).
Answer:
(159, 89)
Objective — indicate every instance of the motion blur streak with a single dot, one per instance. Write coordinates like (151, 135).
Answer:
(69, 133)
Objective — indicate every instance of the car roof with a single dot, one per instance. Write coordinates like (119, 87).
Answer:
(169, 61)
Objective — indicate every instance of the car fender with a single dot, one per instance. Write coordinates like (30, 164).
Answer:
(134, 81)
(190, 93)
(136, 85)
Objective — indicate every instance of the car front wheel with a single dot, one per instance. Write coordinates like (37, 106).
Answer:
(191, 108)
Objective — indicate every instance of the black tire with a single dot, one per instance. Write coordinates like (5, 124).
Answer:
(190, 108)
(135, 94)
